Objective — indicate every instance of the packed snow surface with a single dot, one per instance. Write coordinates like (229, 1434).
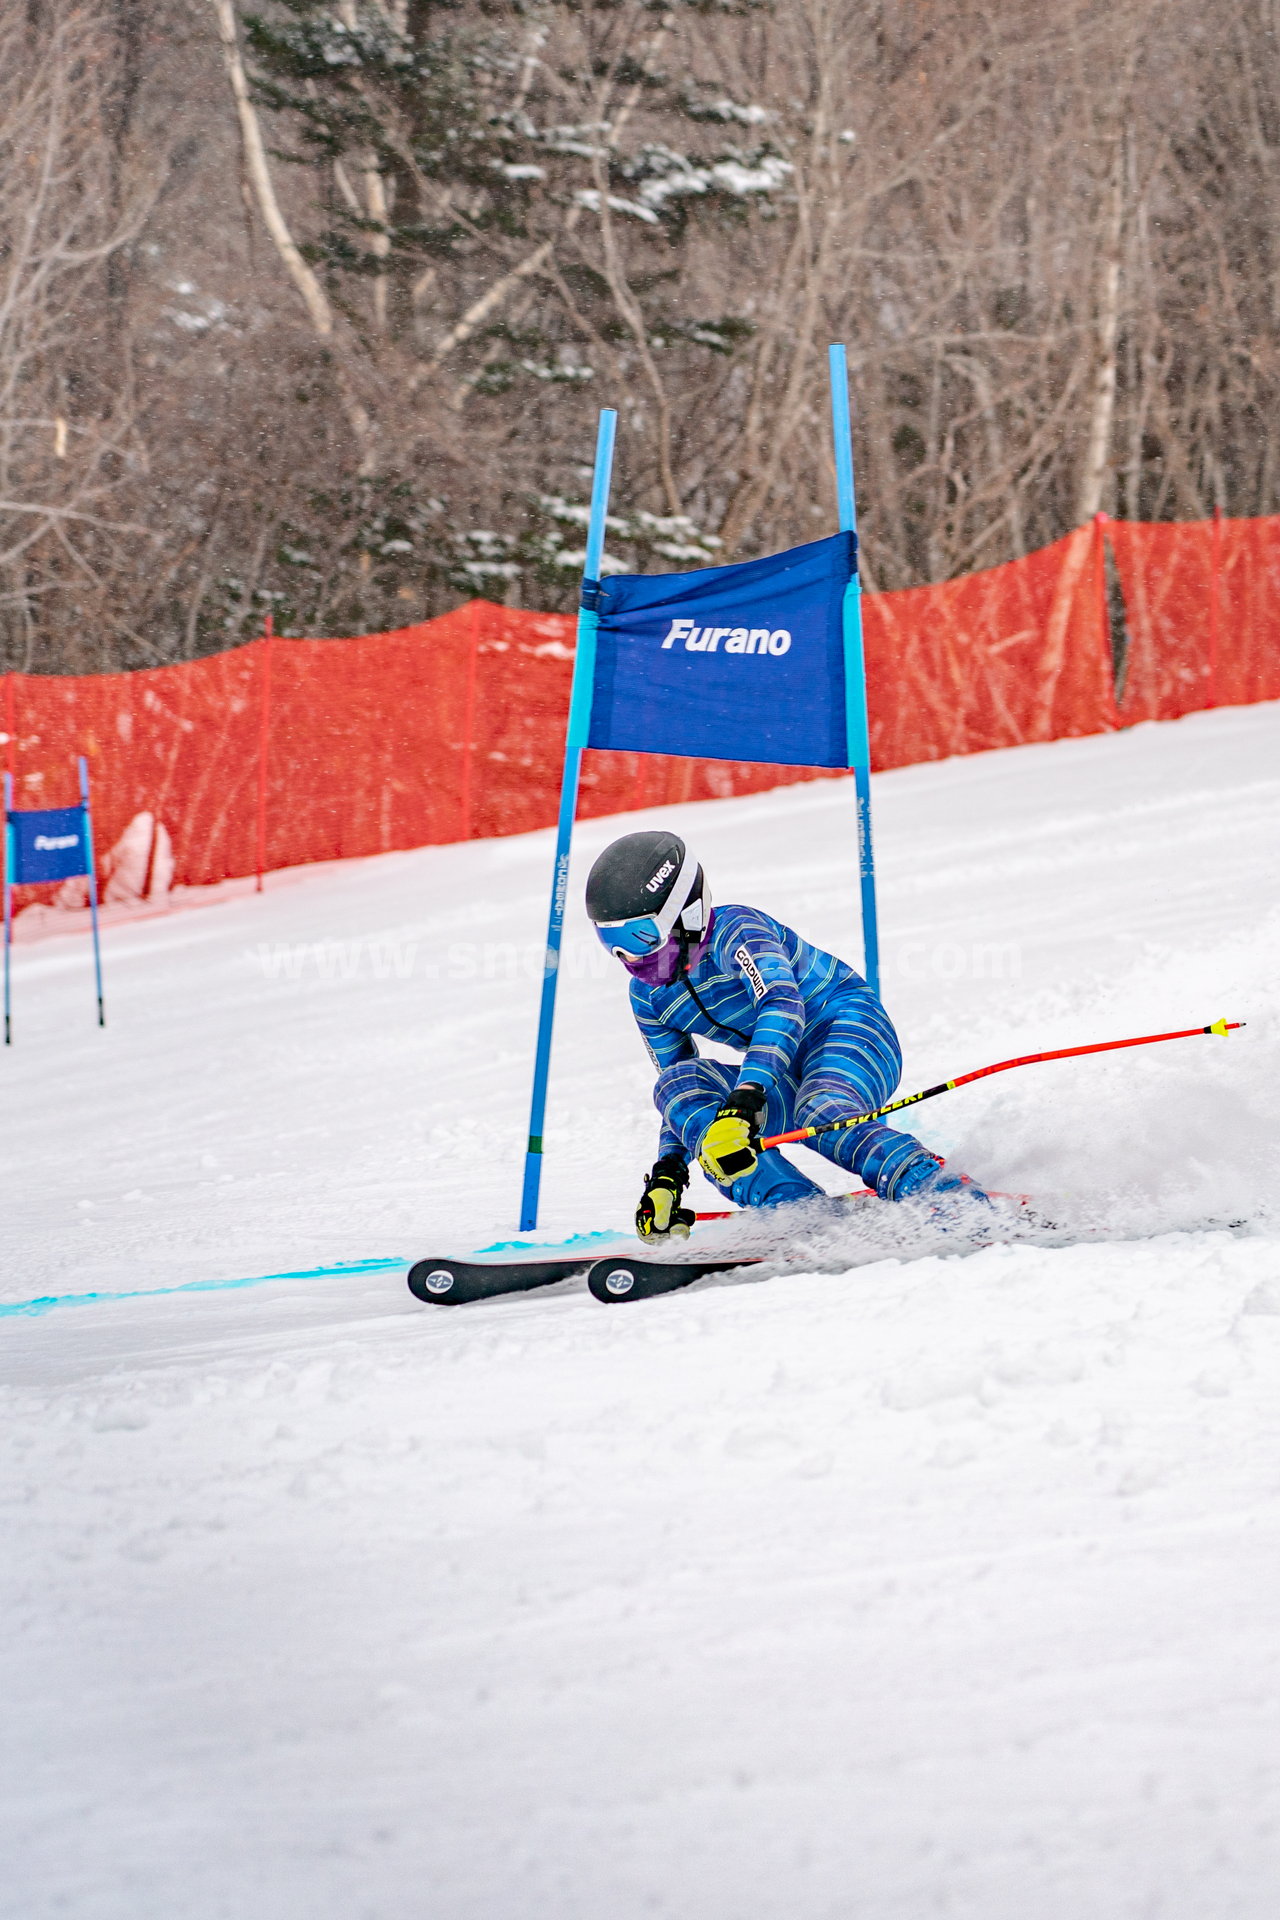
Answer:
(916, 1581)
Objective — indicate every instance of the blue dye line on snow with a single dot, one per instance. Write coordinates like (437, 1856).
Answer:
(49, 1301)
(574, 1241)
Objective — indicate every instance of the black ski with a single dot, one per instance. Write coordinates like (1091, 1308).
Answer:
(619, 1277)
(448, 1283)
(613, 1278)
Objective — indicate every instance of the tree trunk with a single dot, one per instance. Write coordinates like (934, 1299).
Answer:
(1102, 394)
(255, 160)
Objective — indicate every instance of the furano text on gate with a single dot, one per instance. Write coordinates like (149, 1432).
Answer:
(736, 639)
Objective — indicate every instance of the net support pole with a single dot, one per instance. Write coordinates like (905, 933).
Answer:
(10, 724)
(584, 670)
(8, 904)
(1102, 606)
(855, 672)
(1215, 603)
(93, 885)
(469, 726)
(264, 748)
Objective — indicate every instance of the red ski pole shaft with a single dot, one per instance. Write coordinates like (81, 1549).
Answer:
(1220, 1027)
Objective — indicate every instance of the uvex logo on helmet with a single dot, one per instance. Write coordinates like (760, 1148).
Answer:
(736, 639)
(664, 872)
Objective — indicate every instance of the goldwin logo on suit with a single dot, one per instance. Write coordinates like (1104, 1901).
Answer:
(736, 639)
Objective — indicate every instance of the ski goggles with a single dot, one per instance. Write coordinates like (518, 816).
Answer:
(645, 933)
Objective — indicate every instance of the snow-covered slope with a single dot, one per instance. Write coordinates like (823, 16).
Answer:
(944, 1585)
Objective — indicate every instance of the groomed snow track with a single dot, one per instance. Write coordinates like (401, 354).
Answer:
(943, 1585)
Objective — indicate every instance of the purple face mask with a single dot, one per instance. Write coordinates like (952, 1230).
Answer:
(659, 969)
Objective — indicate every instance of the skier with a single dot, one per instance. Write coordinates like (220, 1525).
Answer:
(816, 1042)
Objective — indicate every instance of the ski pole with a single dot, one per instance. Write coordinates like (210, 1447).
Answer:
(1220, 1027)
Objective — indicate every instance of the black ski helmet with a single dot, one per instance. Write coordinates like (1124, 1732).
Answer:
(650, 874)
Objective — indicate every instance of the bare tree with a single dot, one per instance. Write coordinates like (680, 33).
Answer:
(65, 436)
(1048, 236)
(259, 174)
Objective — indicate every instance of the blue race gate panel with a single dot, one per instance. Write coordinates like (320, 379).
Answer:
(48, 844)
(729, 663)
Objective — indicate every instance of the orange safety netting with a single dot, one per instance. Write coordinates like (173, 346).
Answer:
(1202, 610)
(1000, 658)
(454, 729)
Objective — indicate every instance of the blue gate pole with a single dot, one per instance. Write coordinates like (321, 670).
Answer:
(93, 883)
(855, 672)
(584, 673)
(9, 851)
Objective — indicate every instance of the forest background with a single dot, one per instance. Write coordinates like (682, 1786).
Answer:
(309, 309)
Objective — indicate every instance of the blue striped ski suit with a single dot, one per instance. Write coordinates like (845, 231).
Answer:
(813, 1035)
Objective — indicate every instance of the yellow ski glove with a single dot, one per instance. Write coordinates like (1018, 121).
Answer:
(729, 1144)
(660, 1214)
